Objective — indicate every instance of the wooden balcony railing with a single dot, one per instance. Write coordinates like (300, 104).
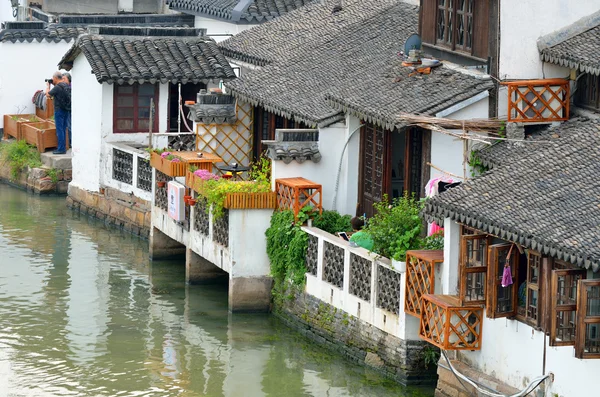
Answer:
(420, 279)
(448, 325)
(296, 193)
(538, 101)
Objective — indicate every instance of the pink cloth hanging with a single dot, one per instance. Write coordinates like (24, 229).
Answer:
(507, 274)
(431, 189)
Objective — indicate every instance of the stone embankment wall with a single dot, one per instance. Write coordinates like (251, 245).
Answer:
(361, 342)
(37, 180)
(114, 208)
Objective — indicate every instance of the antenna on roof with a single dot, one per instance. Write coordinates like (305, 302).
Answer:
(412, 49)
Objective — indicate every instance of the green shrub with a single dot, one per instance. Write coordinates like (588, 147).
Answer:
(396, 227)
(434, 242)
(286, 248)
(20, 155)
(332, 222)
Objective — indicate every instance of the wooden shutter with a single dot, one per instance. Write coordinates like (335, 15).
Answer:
(427, 20)
(473, 268)
(501, 301)
(587, 343)
(563, 306)
(481, 15)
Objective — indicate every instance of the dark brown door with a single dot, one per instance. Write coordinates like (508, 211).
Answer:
(414, 159)
(374, 175)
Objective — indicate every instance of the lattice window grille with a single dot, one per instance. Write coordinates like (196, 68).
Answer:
(122, 166)
(144, 174)
(221, 229)
(388, 290)
(333, 264)
(161, 198)
(312, 255)
(201, 216)
(360, 277)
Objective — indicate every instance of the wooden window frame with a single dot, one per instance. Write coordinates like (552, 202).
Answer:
(556, 307)
(494, 279)
(265, 129)
(532, 287)
(588, 92)
(135, 95)
(583, 319)
(466, 270)
(452, 15)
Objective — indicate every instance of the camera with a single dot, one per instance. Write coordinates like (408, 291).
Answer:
(49, 81)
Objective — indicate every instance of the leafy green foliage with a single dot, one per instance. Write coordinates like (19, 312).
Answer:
(286, 248)
(20, 155)
(332, 222)
(430, 356)
(53, 175)
(396, 227)
(260, 170)
(434, 242)
(476, 164)
(215, 191)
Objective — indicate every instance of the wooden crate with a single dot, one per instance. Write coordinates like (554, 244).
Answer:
(13, 124)
(42, 135)
(168, 167)
(250, 200)
(448, 325)
(297, 193)
(420, 278)
(47, 113)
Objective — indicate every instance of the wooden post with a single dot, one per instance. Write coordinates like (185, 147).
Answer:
(151, 123)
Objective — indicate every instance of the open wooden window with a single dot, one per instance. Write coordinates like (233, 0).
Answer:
(501, 301)
(563, 306)
(587, 343)
(529, 290)
(473, 268)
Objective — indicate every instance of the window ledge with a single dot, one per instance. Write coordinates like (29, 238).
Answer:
(456, 53)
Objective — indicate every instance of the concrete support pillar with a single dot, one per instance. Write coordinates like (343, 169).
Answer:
(449, 271)
(200, 271)
(250, 294)
(162, 246)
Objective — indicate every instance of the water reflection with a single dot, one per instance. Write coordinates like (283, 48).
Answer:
(83, 312)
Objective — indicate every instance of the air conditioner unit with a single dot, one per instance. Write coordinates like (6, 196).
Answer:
(536, 105)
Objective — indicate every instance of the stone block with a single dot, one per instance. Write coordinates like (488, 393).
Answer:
(61, 161)
(68, 175)
(62, 187)
(250, 294)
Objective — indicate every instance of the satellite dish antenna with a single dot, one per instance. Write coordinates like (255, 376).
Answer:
(412, 43)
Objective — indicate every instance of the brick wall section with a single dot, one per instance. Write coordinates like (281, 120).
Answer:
(114, 207)
(360, 342)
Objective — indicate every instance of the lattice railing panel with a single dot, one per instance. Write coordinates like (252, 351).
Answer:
(388, 290)
(201, 216)
(420, 278)
(449, 326)
(122, 166)
(312, 254)
(161, 194)
(144, 174)
(297, 193)
(333, 264)
(232, 142)
(538, 100)
(221, 229)
(360, 277)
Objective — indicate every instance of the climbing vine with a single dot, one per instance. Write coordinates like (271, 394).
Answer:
(477, 166)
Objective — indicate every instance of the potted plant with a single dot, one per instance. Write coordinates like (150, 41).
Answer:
(192, 202)
(168, 163)
(396, 228)
(13, 124)
(161, 184)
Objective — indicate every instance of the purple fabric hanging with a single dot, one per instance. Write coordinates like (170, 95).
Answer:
(506, 277)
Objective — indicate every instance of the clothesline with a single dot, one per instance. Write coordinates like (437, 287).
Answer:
(446, 172)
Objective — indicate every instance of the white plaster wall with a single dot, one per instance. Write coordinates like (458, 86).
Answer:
(87, 121)
(447, 151)
(247, 242)
(216, 27)
(23, 69)
(331, 143)
(106, 171)
(6, 12)
(521, 24)
(167, 225)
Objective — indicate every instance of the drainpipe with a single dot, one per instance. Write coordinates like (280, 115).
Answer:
(337, 178)
(179, 104)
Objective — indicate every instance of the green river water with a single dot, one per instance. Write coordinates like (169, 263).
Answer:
(83, 312)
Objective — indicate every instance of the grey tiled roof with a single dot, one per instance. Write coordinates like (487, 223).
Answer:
(575, 46)
(53, 33)
(317, 63)
(124, 59)
(547, 198)
(238, 10)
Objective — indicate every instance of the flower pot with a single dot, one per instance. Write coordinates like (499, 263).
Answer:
(192, 202)
(186, 198)
(161, 183)
(399, 266)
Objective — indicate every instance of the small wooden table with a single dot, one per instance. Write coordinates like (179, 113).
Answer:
(205, 162)
(297, 193)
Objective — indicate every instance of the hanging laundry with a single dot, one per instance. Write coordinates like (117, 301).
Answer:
(432, 189)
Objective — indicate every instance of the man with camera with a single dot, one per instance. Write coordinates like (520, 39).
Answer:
(61, 92)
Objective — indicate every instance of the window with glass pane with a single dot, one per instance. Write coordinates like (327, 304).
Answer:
(563, 306)
(473, 266)
(454, 24)
(132, 106)
(588, 320)
(502, 300)
(532, 293)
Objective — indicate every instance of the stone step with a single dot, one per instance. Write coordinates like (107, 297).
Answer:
(58, 161)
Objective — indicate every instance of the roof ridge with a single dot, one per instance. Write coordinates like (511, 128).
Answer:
(578, 27)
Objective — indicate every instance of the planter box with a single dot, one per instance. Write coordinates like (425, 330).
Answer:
(46, 113)
(168, 167)
(42, 135)
(13, 124)
(244, 200)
